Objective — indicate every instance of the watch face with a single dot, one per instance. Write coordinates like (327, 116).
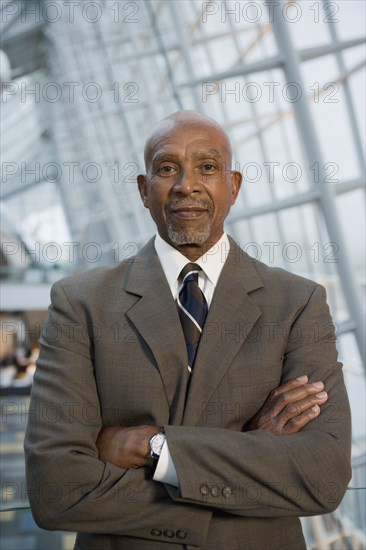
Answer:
(156, 443)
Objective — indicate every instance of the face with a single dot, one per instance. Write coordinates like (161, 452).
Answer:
(189, 187)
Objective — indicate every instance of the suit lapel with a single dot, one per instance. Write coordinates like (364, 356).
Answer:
(155, 317)
(229, 321)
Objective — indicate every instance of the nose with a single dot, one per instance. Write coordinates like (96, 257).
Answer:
(187, 183)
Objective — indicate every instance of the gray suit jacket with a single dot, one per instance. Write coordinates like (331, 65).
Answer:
(113, 353)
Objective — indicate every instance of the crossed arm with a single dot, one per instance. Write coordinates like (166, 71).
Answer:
(286, 411)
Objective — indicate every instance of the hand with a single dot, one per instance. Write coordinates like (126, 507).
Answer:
(126, 447)
(290, 407)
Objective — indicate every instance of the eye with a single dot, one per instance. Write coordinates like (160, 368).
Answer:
(208, 167)
(166, 170)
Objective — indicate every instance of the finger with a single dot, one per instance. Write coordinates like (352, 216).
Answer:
(277, 424)
(277, 402)
(291, 384)
(298, 422)
(295, 409)
(296, 383)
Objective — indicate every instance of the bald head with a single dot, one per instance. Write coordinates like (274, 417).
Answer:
(177, 121)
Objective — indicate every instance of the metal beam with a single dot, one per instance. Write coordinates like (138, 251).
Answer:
(277, 61)
(276, 206)
(347, 92)
(350, 185)
(312, 151)
(295, 200)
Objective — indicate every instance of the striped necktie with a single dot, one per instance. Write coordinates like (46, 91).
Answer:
(192, 309)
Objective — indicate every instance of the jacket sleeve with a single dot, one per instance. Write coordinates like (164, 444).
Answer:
(69, 488)
(256, 473)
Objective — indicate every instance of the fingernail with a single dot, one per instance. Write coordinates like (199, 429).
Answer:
(315, 408)
(318, 385)
(321, 394)
(302, 378)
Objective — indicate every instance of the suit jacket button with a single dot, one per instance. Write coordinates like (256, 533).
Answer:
(156, 532)
(226, 492)
(169, 534)
(204, 490)
(215, 491)
(181, 534)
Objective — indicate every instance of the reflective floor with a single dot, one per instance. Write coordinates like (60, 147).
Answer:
(17, 528)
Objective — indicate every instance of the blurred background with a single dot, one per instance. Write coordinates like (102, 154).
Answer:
(82, 83)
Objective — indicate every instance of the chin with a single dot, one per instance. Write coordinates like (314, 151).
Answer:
(180, 237)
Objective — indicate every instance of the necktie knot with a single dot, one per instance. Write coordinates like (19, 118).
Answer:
(189, 273)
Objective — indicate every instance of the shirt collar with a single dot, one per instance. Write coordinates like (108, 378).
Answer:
(212, 261)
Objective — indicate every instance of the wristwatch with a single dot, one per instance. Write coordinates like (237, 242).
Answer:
(156, 444)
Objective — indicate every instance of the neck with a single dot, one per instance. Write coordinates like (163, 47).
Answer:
(195, 251)
(192, 251)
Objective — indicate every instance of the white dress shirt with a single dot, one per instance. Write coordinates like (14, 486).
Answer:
(172, 262)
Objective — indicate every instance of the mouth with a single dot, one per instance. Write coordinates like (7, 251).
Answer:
(188, 212)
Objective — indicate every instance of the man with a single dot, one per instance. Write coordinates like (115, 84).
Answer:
(183, 411)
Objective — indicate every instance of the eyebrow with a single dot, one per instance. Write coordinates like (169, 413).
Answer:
(209, 153)
(163, 156)
(197, 155)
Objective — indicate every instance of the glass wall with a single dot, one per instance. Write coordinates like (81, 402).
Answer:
(87, 82)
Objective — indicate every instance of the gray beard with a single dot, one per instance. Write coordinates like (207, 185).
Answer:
(179, 237)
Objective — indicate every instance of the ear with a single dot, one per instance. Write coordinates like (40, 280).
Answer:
(142, 185)
(236, 179)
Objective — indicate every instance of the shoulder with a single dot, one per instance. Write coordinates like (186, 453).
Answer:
(93, 283)
(279, 277)
(290, 291)
(279, 283)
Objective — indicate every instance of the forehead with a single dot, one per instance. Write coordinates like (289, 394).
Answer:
(188, 140)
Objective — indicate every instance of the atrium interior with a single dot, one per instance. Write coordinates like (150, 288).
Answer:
(83, 83)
